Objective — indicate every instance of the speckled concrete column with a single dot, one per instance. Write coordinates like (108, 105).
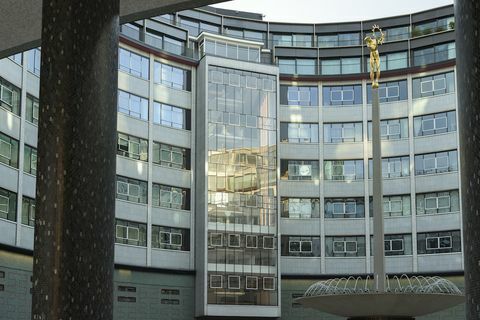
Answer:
(74, 235)
(467, 22)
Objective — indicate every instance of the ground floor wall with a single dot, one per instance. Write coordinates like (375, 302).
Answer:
(145, 295)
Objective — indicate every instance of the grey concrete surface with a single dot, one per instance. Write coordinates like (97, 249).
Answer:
(22, 19)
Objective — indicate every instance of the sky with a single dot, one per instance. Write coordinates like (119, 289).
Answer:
(320, 11)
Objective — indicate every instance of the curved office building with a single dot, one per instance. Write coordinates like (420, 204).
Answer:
(244, 162)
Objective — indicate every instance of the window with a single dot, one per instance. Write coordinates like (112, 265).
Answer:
(170, 116)
(132, 233)
(8, 151)
(268, 242)
(33, 61)
(444, 242)
(17, 58)
(325, 41)
(282, 39)
(131, 190)
(234, 240)
(349, 39)
(28, 211)
(162, 41)
(432, 26)
(126, 299)
(230, 50)
(8, 205)
(298, 95)
(394, 167)
(297, 66)
(133, 63)
(342, 132)
(300, 208)
(268, 283)
(216, 281)
(30, 160)
(170, 197)
(302, 40)
(216, 239)
(234, 282)
(251, 283)
(439, 242)
(393, 129)
(246, 34)
(171, 156)
(128, 233)
(346, 170)
(32, 109)
(438, 202)
(9, 97)
(345, 247)
(195, 27)
(340, 66)
(433, 85)
(389, 91)
(437, 53)
(435, 123)
(299, 169)
(127, 289)
(342, 95)
(251, 241)
(171, 76)
(131, 30)
(397, 33)
(299, 132)
(395, 244)
(438, 162)
(172, 45)
(170, 238)
(132, 105)
(395, 60)
(170, 301)
(173, 292)
(339, 40)
(348, 246)
(391, 61)
(394, 206)
(300, 246)
(344, 208)
(132, 147)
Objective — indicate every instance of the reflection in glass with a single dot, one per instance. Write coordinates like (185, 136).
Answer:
(242, 187)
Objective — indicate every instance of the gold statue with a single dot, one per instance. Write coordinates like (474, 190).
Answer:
(372, 43)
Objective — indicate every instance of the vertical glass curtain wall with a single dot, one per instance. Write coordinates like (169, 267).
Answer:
(242, 195)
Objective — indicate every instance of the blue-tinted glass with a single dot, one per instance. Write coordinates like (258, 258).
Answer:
(331, 67)
(286, 66)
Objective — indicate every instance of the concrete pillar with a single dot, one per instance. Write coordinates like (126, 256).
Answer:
(74, 228)
(467, 22)
(378, 220)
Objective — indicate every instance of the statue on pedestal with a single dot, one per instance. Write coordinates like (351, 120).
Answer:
(372, 42)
